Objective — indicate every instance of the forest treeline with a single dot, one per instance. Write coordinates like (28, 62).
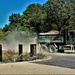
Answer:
(54, 14)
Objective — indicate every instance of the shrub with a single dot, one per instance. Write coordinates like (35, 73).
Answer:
(26, 56)
(9, 56)
(40, 56)
(12, 56)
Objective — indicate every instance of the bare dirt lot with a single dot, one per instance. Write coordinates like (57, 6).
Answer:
(33, 68)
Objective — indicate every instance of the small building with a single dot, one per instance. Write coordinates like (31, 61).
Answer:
(16, 38)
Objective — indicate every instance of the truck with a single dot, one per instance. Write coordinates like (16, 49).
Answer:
(57, 41)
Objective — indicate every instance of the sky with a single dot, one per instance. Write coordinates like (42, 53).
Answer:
(7, 7)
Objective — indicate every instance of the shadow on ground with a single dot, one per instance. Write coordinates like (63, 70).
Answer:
(57, 62)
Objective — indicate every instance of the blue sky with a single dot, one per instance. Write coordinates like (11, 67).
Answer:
(7, 7)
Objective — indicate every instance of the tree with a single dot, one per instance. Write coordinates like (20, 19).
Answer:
(60, 13)
(33, 16)
(14, 20)
(1, 34)
(54, 14)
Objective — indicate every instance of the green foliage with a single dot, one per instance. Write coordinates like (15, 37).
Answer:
(1, 35)
(54, 14)
(60, 13)
(33, 18)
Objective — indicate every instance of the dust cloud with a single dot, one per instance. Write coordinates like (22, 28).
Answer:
(15, 38)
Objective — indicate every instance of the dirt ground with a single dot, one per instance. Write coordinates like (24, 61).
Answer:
(32, 68)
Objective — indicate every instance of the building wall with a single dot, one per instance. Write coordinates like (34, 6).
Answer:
(15, 38)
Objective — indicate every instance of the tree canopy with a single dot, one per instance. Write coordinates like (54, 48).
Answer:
(54, 14)
(60, 13)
